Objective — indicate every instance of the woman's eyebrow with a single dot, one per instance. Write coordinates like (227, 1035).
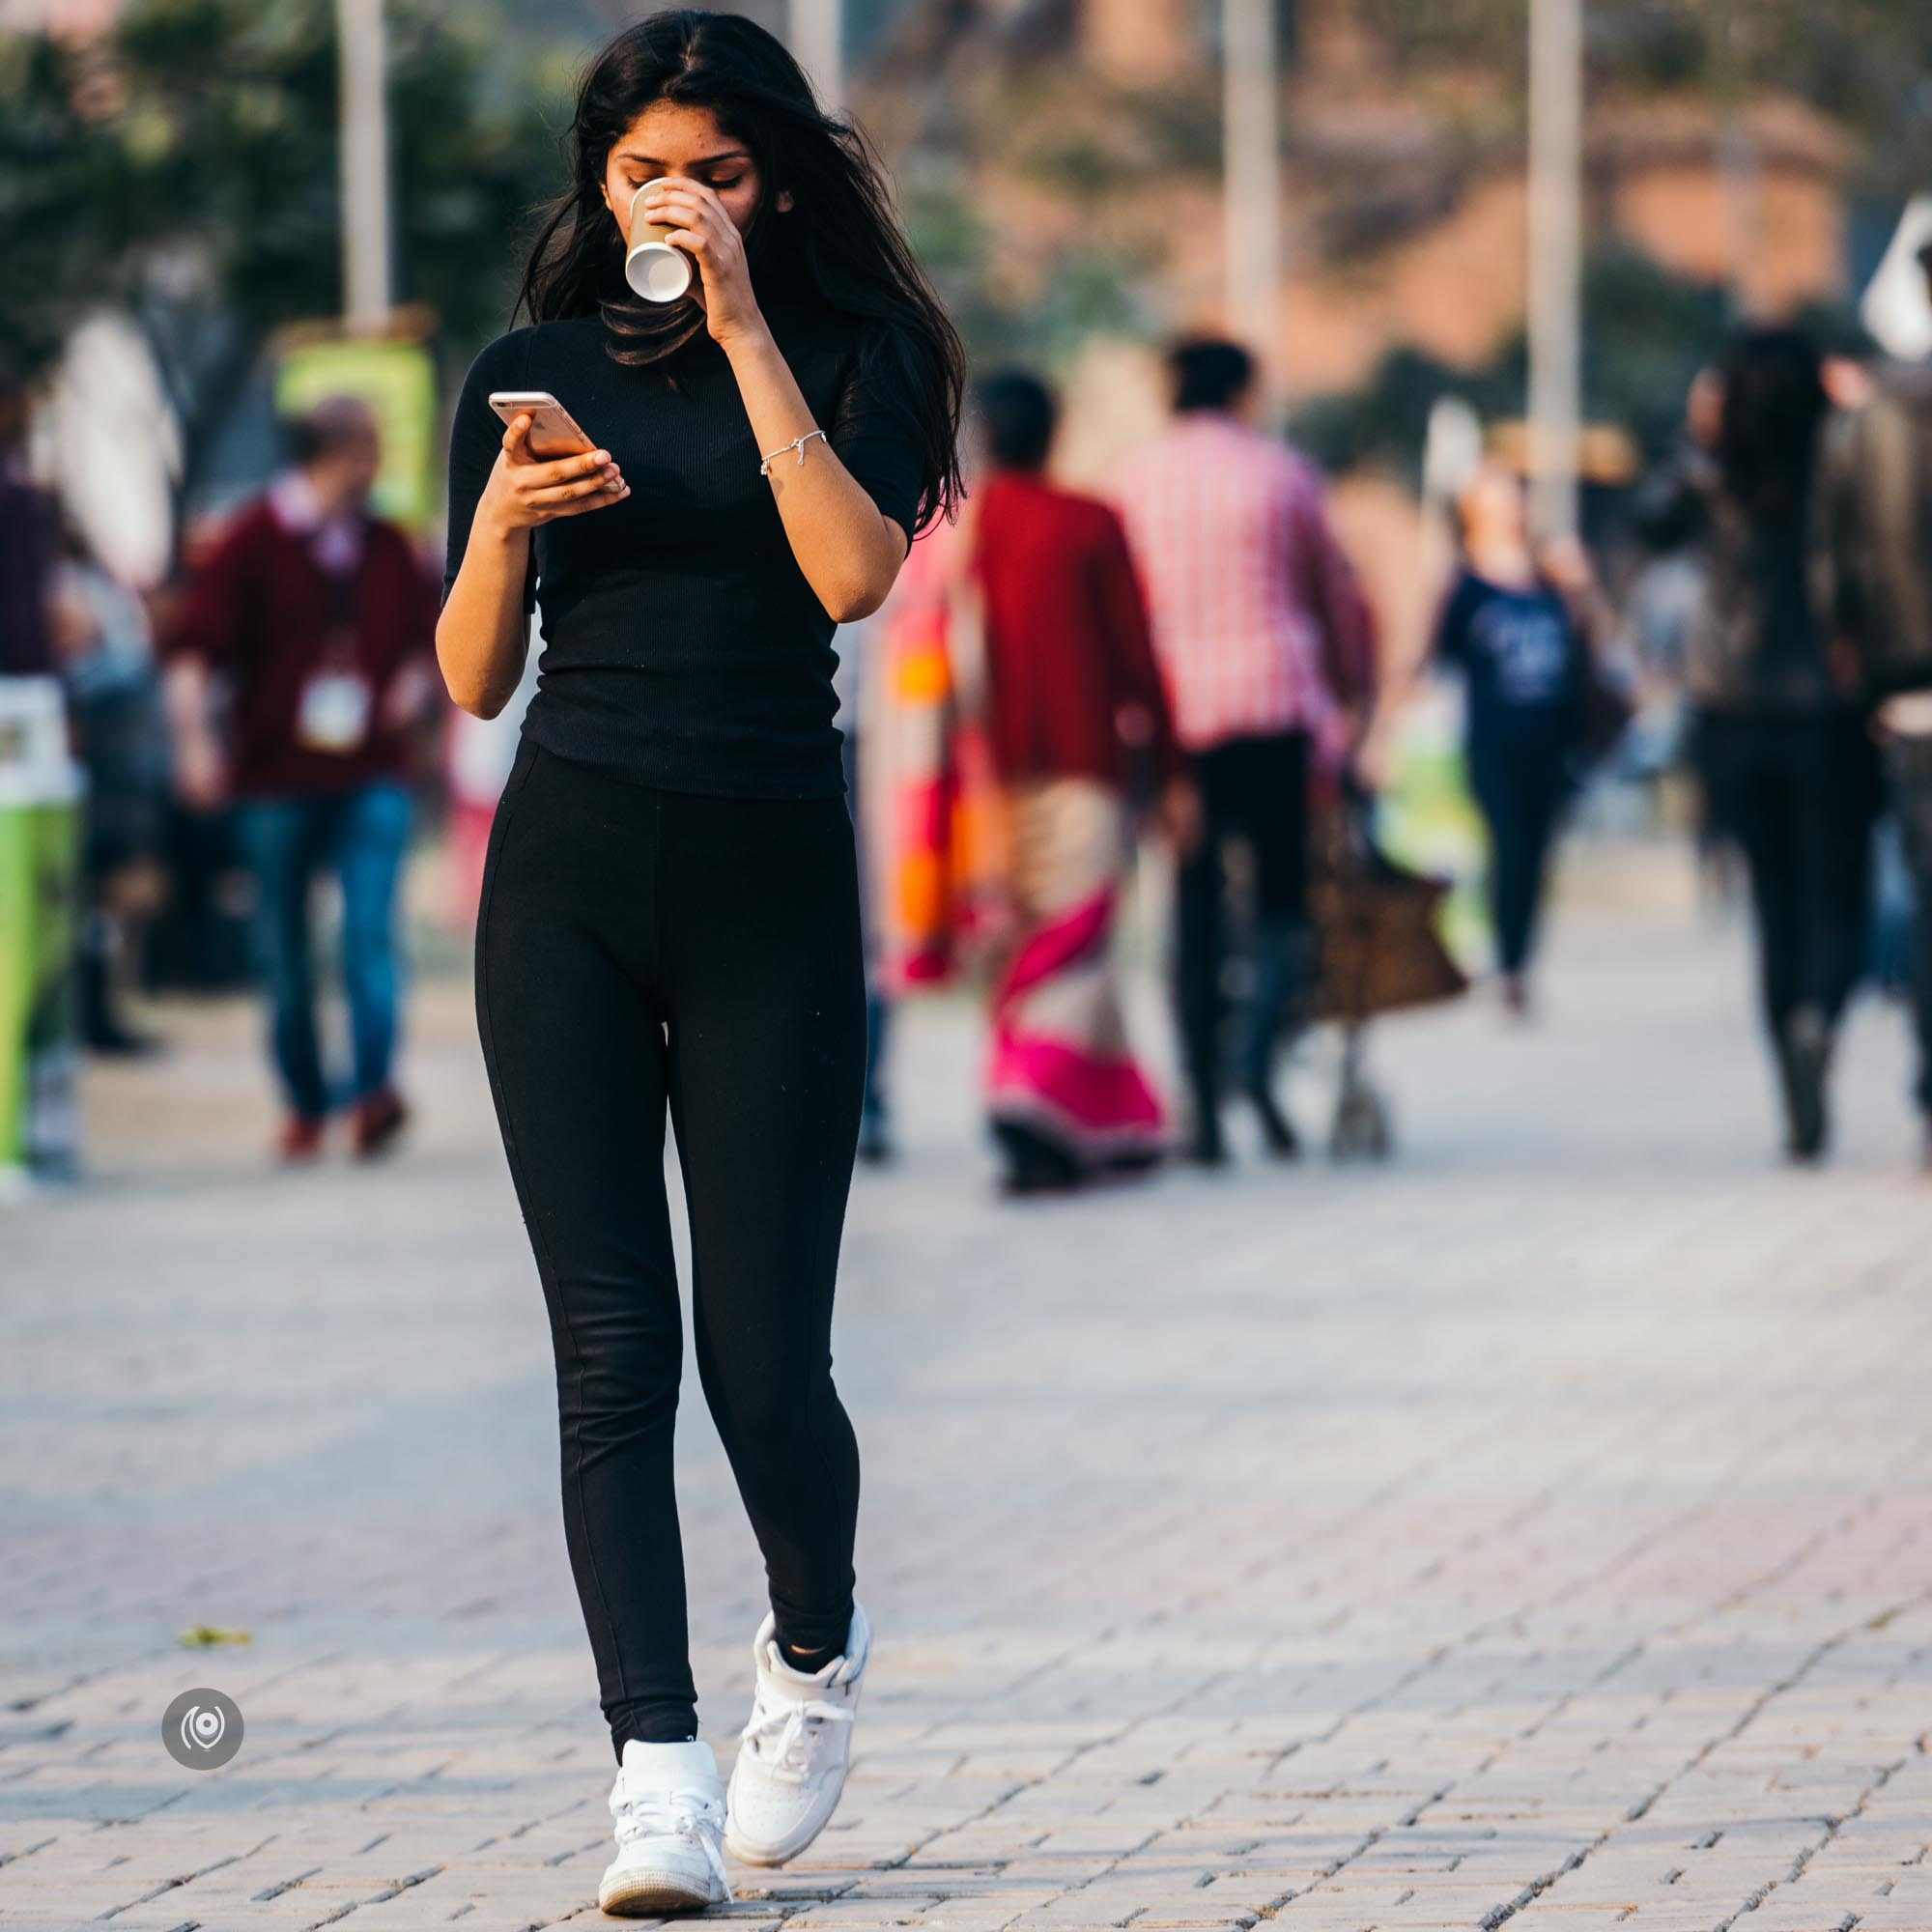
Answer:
(652, 161)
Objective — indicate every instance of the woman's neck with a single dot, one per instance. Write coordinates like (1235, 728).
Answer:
(1506, 562)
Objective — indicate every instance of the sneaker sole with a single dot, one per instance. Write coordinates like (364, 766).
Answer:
(782, 1853)
(758, 1855)
(648, 1895)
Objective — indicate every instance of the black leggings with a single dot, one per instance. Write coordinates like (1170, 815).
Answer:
(1799, 796)
(1521, 792)
(639, 949)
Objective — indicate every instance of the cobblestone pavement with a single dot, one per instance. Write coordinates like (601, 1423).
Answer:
(1535, 1531)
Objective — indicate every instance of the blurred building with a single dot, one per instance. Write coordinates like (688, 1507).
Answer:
(1405, 192)
(1399, 241)
(1138, 41)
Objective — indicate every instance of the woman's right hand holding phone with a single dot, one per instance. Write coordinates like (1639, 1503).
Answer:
(525, 492)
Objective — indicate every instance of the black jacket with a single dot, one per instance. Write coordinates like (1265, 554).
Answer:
(1874, 565)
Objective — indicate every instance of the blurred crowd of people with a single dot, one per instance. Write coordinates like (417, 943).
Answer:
(1195, 651)
(1199, 645)
(1189, 653)
(265, 718)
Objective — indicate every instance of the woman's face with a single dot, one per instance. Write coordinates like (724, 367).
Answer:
(1494, 508)
(670, 139)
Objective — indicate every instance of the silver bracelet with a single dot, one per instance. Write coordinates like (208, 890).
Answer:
(798, 443)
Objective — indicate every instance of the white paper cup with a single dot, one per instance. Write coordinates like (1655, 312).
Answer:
(653, 268)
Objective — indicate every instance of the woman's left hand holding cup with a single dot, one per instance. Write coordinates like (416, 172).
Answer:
(700, 225)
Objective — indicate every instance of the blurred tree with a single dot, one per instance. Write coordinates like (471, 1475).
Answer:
(1088, 150)
(1092, 288)
(56, 180)
(183, 168)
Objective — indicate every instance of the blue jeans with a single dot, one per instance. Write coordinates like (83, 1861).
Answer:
(362, 836)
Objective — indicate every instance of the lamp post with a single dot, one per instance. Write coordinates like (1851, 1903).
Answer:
(367, 294)
(1251, 181)
(1555, 221)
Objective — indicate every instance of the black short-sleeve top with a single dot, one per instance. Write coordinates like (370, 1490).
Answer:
(682, 645)
(1524, 661)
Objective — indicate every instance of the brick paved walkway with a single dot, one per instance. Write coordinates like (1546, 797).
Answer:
(1534, 1532)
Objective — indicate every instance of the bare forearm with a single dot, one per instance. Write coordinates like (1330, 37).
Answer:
(200, 773)
(849, 553)
(185, 696)
(483, 635)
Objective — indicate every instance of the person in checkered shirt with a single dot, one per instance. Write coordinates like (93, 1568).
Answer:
(1265, 646)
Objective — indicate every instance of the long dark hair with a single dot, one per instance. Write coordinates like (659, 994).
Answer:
(840, 241)
(1774, 405)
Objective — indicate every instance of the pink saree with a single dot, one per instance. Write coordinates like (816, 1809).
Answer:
(1060, 1071)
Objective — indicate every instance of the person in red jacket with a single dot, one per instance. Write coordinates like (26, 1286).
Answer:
(1074, 704)
(319, 625)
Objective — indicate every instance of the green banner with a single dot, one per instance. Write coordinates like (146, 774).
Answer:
(39, 851)
(397, 380)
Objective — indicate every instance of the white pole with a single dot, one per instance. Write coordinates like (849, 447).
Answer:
(367, 295)
(1738, 165)
(818, 46)
(1251, 181)
(1556, 259)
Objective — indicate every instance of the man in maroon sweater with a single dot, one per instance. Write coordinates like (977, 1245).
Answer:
(27, 527)
(320, 623)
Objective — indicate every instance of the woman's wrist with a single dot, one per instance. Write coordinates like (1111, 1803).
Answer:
(494, 525)
(749, 339)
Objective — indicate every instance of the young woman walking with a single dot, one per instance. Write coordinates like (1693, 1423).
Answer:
(669, 916)
(1512, 624)
(1789, 768)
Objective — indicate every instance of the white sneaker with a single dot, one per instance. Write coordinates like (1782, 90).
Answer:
(668, 1803)
(791, 1765)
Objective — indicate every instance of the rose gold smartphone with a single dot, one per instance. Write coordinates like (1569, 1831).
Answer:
(553, 430)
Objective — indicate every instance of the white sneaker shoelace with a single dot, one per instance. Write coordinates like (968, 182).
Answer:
(694, 1816)
(783, 1734)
